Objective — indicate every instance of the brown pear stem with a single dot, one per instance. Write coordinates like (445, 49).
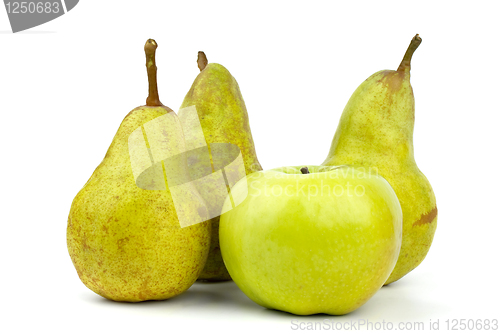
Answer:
(304, 170)
(153, 99)
(202, 60)
(405, 63)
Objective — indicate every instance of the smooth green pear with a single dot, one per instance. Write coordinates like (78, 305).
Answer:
(125, 241)
(224, 119)
(376, 131)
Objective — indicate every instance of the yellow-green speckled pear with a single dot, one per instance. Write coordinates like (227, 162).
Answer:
(376, 131)
(125, 242)
(224, 119)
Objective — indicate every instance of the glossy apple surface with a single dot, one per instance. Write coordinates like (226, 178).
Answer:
(322, 242)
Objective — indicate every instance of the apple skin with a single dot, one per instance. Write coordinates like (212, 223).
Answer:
(304, 251)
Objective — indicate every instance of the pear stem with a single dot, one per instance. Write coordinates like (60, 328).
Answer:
(202, 60)
(153, 99)
(304, 170)
(405, 63)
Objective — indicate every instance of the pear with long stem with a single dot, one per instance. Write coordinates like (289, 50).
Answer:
(376, 131)
(124, 234)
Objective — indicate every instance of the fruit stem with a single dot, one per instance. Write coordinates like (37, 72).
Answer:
(202, 60)
(405, 63)
(153, 99)
(304, 170)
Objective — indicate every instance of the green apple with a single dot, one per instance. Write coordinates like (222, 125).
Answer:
(311, 240)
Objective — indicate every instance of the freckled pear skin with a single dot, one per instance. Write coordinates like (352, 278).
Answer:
(126, 242)
(224, 119)
(376, 131)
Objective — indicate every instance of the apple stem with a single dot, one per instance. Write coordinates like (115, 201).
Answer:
(153, 99)
(202, 60)
(405, 63)
(304, 170)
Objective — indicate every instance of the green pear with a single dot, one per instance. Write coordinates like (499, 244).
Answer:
(224, 119)
(124, 234)
(376, 131)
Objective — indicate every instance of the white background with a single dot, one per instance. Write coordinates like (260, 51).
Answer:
(65, 87)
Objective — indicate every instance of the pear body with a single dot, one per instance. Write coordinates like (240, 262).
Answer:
(224, 119)
(376, 132)
(126, 242)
